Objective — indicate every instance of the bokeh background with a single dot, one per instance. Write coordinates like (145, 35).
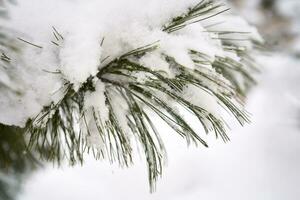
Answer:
(261, 162)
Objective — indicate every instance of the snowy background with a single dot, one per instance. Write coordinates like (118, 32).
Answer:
(261, 161)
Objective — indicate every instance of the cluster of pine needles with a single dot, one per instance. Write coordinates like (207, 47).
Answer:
(56, 135)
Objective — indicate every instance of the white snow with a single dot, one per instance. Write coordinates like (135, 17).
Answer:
(96, 100)
(75, 36)
(262, 163)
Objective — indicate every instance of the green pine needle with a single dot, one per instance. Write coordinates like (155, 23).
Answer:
(56, 135)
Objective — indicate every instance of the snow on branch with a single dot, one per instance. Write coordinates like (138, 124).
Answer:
(90, 75)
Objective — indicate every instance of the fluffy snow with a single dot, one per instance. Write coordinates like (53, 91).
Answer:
(96, 100)
(74, 38)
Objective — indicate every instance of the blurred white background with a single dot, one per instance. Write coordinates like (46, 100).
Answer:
(261, 162)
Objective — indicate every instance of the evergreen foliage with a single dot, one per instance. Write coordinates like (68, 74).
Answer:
(56, 135)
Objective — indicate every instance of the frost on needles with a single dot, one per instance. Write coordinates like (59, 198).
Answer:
(89, 76)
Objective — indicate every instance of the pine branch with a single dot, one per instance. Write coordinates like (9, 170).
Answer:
(61, 131)
(202, 11)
